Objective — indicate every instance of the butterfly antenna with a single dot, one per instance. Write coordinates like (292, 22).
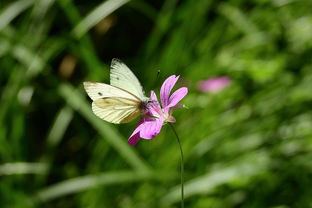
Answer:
(156, 80)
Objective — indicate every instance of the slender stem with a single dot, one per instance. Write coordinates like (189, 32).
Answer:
(182, 165)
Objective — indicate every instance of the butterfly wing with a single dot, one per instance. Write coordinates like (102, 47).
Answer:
(121, 76)
(116, 109)
(111, 103)
(97, 90)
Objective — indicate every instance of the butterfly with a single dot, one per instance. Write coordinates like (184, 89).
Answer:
(122, 100)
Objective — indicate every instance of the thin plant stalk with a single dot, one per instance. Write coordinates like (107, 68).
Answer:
(182, 165)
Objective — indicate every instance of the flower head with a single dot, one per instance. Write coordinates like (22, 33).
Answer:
(214, 84)
(158, 114)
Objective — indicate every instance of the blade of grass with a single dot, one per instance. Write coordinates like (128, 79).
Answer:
(59, 126)
(4, 47)
(33, 62)
(96, 15)
(161, 26)
(22, 168)
(13, 10)
(83, 183)
(144, 8)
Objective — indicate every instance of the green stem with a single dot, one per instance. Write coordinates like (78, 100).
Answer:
(182, 165)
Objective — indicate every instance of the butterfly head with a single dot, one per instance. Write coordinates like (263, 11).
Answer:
(146, 105)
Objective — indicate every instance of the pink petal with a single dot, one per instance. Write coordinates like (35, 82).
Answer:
(177, 96)
(154, 96)
(134, 139)
(153, 108)
(151, 128)
(166, 89)
(214, 84)
(135, 136)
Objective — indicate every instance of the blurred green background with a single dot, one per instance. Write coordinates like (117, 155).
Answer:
(248, 145)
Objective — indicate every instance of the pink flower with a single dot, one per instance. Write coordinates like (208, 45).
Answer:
(214, 84)
(150, 126)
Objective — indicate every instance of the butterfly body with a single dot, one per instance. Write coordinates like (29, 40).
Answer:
(122, 100)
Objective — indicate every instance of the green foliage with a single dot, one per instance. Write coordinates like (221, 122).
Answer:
(247, 146)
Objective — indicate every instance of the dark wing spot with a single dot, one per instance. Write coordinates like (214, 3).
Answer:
(100, 94)
(117, 78)
(115, 62)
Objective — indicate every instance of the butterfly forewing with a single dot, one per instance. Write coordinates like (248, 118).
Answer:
(116, 109)
(97, 90)
(121, 76)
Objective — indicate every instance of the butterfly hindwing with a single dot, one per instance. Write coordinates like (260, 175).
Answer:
(116, 109)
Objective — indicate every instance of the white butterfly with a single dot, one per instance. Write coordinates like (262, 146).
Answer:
(122, 100)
